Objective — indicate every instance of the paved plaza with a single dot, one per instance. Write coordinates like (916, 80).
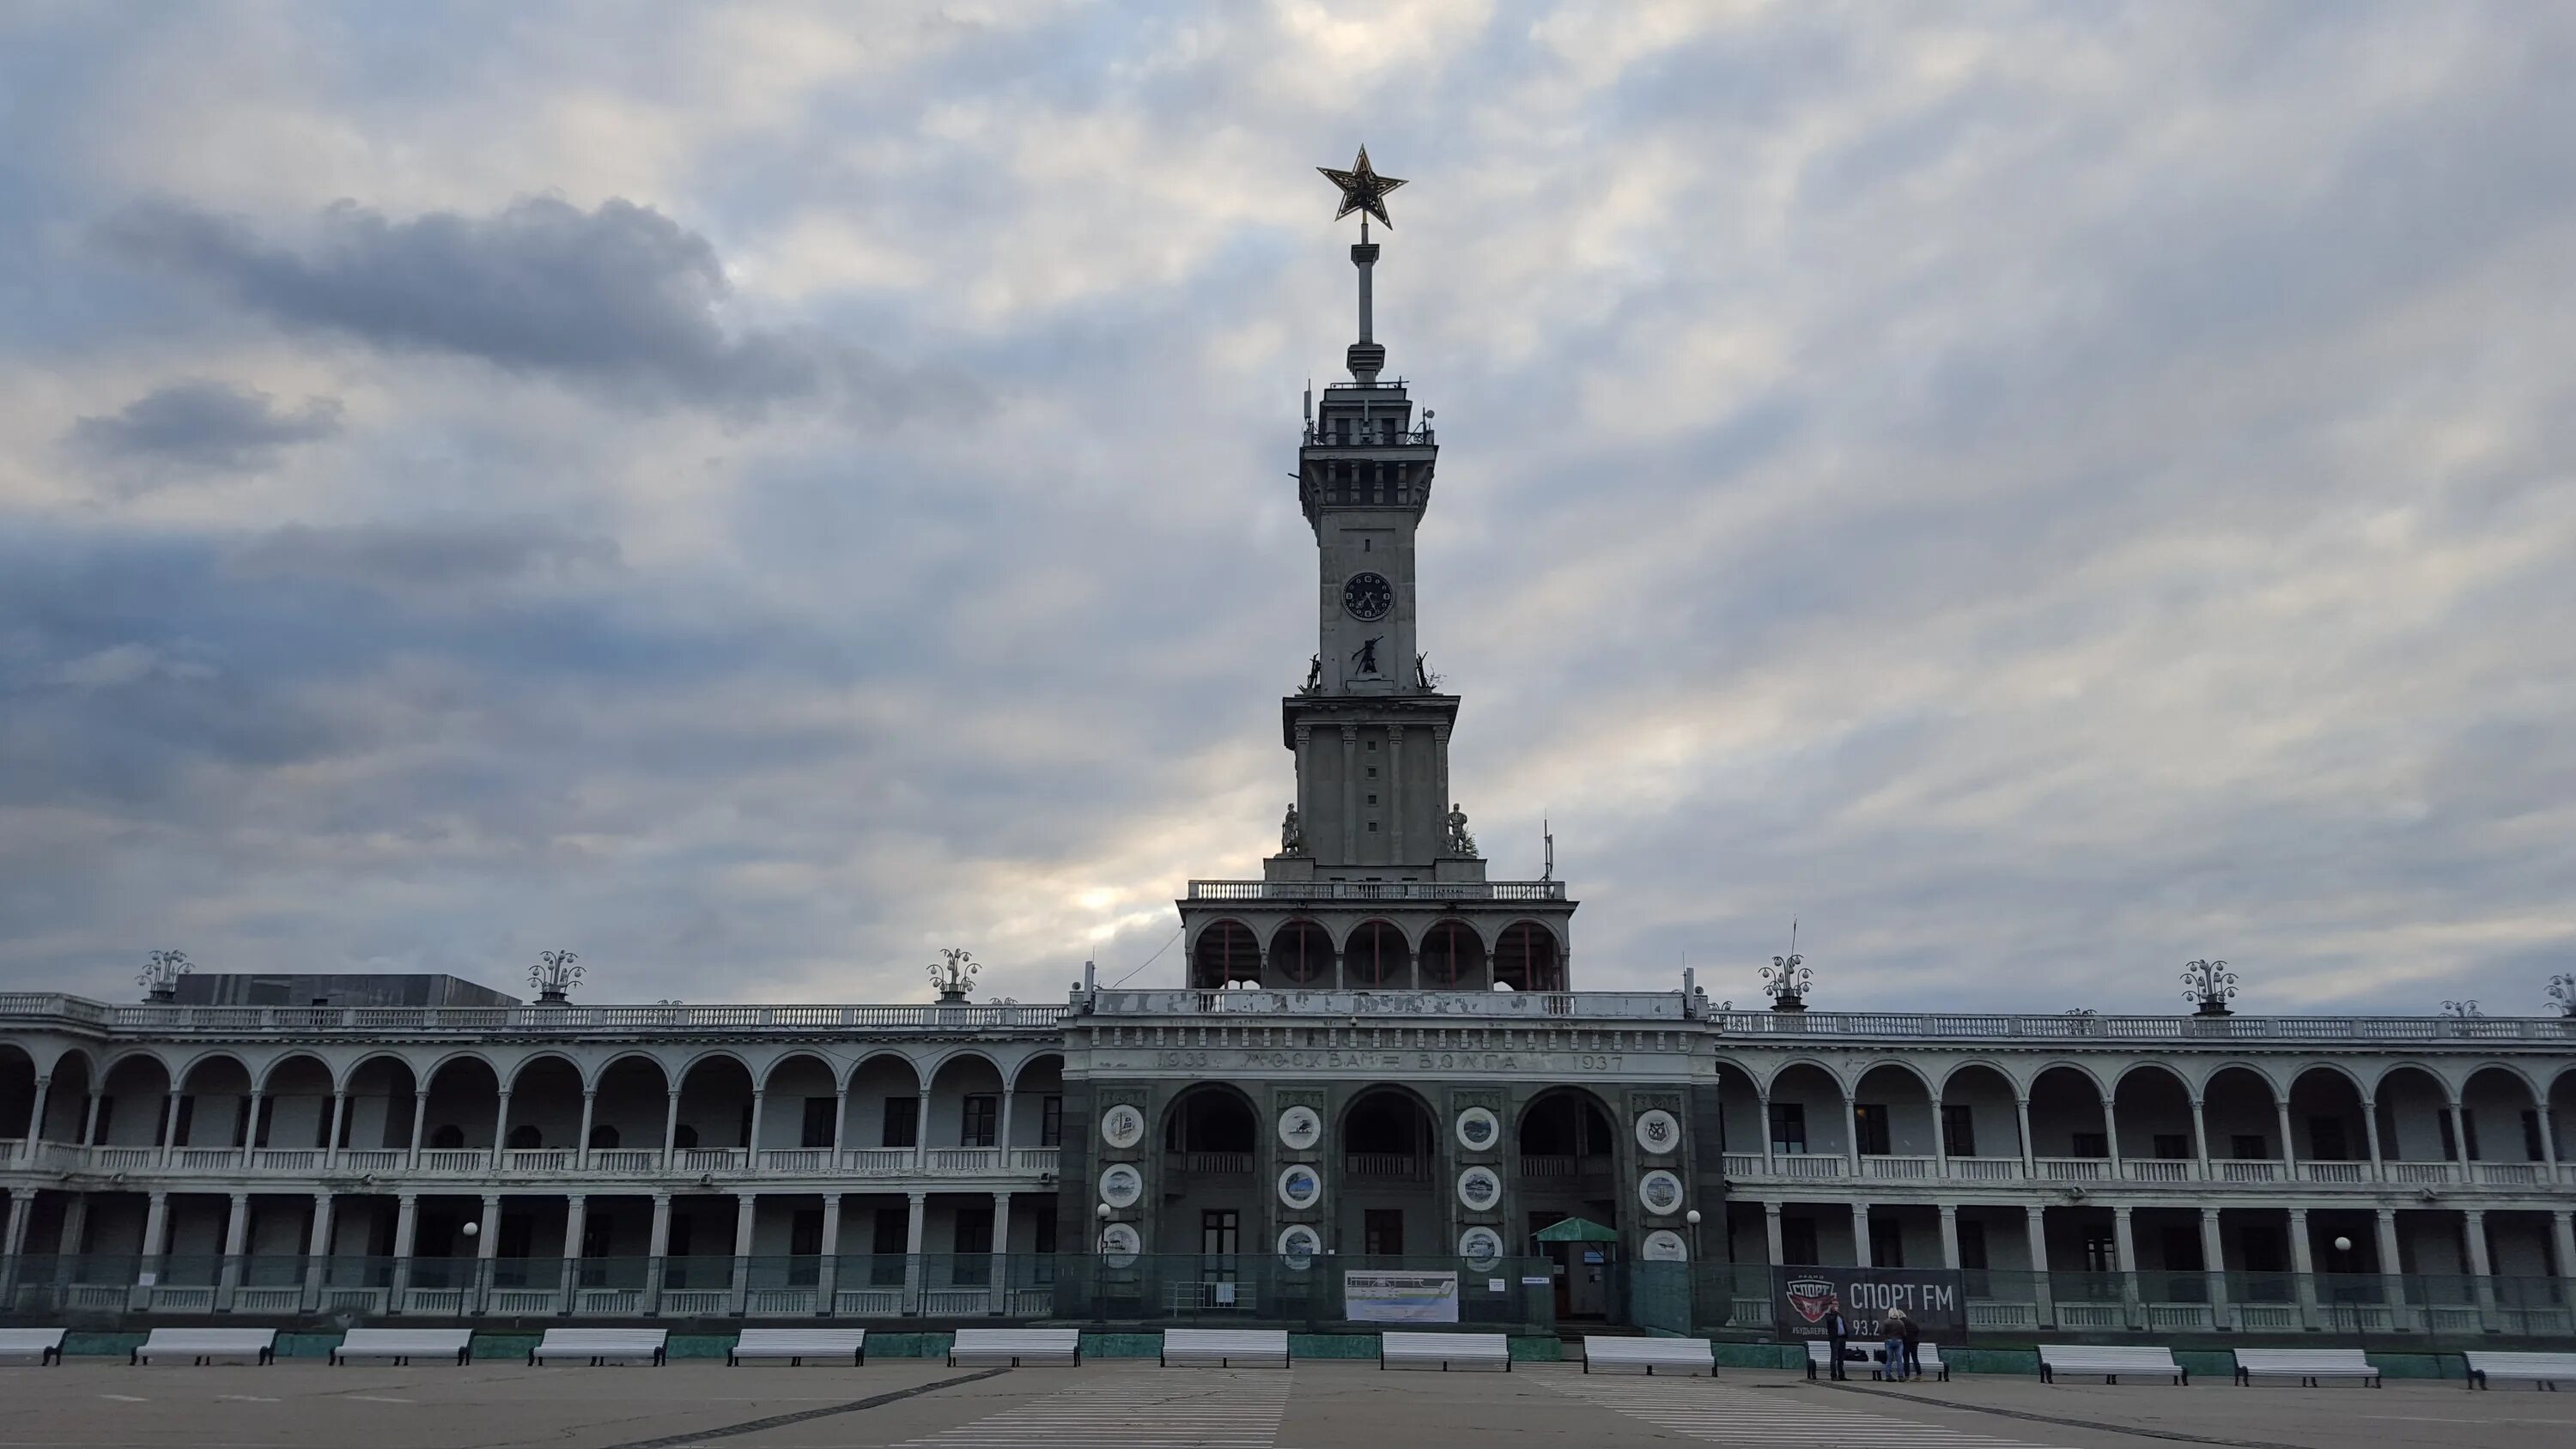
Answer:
(922, 1404)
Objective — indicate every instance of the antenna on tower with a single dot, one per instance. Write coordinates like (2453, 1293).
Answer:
(1547, 842)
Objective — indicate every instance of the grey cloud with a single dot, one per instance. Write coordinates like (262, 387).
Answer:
(205, 424)
(621, 298)
(457, 555)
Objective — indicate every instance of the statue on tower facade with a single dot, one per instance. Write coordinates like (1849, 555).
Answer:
(1292, 833)
(1460, 842)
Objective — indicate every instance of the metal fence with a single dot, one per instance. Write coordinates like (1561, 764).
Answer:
(1145, 1290)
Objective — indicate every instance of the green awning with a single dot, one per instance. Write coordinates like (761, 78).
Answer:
(1577, 1230)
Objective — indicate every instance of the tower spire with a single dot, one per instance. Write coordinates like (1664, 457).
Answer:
(1364, 191)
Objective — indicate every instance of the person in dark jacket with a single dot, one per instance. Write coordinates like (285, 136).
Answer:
(1913, 1348)
(1837, 1333)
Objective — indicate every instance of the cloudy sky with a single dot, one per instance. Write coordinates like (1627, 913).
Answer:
(755, 494)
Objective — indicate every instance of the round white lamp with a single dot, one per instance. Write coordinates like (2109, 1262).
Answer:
(472, 1230)
(2343, 1245)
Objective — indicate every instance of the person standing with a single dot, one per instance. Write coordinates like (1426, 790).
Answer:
(1895, 1328)
(1913, 1347)
(1837, 1334)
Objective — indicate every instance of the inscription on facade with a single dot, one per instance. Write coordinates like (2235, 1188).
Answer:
(1384, 1061)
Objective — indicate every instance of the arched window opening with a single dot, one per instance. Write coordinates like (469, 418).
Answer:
(1302, 954)
(525, 1137)
(1452, 958)
(1525, 958)
(1227, 952)
(1376, 956)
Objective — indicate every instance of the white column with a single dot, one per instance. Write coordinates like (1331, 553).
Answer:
(581, 1143)
(2200, 1138)
(1851, 1136)
(317, 1252)
(21, 1200)
(2111, 1134)
(2021, 1113)
(487, 1245)
(1763, 1097)
(576, 1224)
(89, 1119)
(751, 1136)
(671, 1132)
(75, 1237)
(500, 1129)
(658, 1246)
(236, 1236)
(406, 1228)
(2370, 1134)
(419, 1121)
(1002, 1131)
(1001, 1252)
(2213, 1259)
(2473, 1227)
(156, 1230)
(170, 1125)
(2046, 1302)
(840, 1129)
(912, 1265)
(36, 1117)
(339, 1124)
(2548, 1143)
(2562, 1241)
(1860, 1234)
(250, 1126)
(2289, 1147)
(1771, 1234)
(746, 1212)
(828, 1276)
(2303, 1263)
(2124, 1249)
(2392, 1267)
(1950, 1236)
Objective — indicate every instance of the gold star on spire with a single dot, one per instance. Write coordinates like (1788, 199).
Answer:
(1362, 190)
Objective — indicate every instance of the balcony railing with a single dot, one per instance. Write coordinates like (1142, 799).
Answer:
(35, 1007)
(1384, 1167)
(2144, 1170)
(1210, 1164)
(533, 1162)
(1377, 890)
(1482, 1005)
(1949, 1027)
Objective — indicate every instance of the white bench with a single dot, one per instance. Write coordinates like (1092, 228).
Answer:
(2108, 1362)
(205, 1345)
(1820, 1355)
(2307, 1365)
(44, 1345)
(402, 1345)
(1926, 1354)
(603, 1345)
(1471, 1350)
(1690, 1355)
(2540, 1370)
(1016, 1346)
(1224, 1347)
(799, 1344)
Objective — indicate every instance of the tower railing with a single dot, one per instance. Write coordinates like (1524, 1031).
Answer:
(1377, 890)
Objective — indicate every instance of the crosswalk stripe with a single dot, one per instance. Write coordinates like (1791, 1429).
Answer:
(1716, 1413)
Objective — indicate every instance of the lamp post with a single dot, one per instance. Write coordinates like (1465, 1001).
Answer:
(2343, 1290)
(1692, 1218)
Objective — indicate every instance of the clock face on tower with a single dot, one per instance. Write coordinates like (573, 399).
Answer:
(1368, 597)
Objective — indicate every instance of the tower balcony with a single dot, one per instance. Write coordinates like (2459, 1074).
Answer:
(1427, 891)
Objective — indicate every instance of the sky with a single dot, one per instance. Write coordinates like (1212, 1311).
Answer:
(755, 494)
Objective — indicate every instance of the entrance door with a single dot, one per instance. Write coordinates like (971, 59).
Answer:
(1220, 1238)
(1382, 1232)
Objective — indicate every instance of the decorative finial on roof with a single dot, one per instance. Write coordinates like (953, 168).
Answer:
(1363, 190)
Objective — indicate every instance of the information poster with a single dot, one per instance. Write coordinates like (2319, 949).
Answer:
(1929, 1296)
(1400, 1297)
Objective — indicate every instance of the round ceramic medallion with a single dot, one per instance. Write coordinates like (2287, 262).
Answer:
(1300, 1128)
(1120, 1244)
(1481, 1247)
(1660, 1191)
(1300, 1186)
(1122, 1126)
(1658, 1131)
(1663, 1245)
(1479, 1188)
(1478, 1129)
(1299, 1244)
(1121, 1185)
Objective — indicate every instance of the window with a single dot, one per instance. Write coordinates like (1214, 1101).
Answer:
(1372, 772)
(1051, 1129)
(2247, 1147)
(2092, 1144)
(1220, 1232)
(976, 1129)
(1372, 827)
(2531, 1136)
(2172, 1146)
(1959, 1131)
(1972, 1245)
(1798, 1239)
(1789, 1134)
(1372, 747)
(1372, 799)
(902, 1122)
(1382, 1232)
(816, 1130)
(2101, 1251)
(2326, 1140)
(1886, 1243)
(1869, 1127)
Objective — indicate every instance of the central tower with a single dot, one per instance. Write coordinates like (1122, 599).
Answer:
(1377, 882)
